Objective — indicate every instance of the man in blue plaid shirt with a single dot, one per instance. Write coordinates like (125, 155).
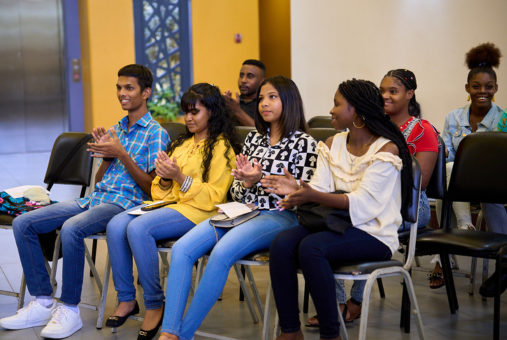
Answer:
(123, 180)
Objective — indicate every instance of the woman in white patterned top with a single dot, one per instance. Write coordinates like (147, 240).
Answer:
(372, 166)
(279, 146)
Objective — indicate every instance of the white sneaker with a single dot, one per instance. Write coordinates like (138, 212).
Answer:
(64, 323)
(32, 315)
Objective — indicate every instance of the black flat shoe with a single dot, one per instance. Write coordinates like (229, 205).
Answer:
(148, 335)
(488, 288)
(117, 321)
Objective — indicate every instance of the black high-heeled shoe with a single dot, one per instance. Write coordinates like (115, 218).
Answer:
(117, 321)
(148, 335)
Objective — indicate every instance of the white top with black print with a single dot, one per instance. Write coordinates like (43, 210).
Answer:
(297, 153)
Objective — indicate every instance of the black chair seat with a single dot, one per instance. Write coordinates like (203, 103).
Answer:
(404, 235)
(461, 242)
(6, 219)
(360, 268)
(167, 242)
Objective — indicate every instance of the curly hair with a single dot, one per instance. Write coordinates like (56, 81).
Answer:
(366, 99)
(407, 79)
(293, 114)
(220, 124)
(482, 59)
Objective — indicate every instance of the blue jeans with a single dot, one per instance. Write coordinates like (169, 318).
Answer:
(78, 223)
(356, 292)
(255, 234)
(313, 252)
(132, 235)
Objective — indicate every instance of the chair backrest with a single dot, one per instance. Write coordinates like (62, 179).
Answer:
(174, 129)
(479, 170)
(243, 132)
(437, 186)
(413, 212)
(413, 204)
(79, 168)
(322, 134)
(320, 122)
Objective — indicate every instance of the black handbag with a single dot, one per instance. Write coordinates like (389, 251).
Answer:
(317, 217)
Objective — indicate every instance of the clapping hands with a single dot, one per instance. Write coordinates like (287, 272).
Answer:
(165, 167)
(107, 144)
(247, 172)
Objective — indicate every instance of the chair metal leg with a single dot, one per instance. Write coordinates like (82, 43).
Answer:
(267, 312)
(413, 301)
(94, 254)
(244, 288)
(241, 295)
(306, 298)
(164, 270)
(473, 272)
(343, 330)
(496, 317)
(381, 288)
(103, 296)
(276, 330)
(255, 291)
(22, 289)
(449, 283)
(485, 269)
(54, 265)
(417, 263)
(200, 269)
(93, 269)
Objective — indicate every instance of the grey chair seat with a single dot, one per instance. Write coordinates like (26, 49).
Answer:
(361, 268)
(461, 242)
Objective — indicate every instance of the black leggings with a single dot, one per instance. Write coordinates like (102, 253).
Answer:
(297, 247)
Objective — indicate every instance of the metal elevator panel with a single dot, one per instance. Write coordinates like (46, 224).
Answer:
(32, 89)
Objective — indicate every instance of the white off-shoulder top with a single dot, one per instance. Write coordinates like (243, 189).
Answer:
(373, 183)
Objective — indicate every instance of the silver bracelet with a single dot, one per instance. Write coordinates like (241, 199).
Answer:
(186, 184)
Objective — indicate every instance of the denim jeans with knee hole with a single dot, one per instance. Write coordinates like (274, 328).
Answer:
(78, 223)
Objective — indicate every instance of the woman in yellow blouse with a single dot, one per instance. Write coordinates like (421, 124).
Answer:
(190, 177)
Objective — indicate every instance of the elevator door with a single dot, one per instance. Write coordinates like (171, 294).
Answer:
(32, 99)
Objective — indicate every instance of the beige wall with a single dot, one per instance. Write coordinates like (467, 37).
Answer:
(334, 40)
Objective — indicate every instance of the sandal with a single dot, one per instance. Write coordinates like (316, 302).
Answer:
(436, 276)
(314, 320)
(351, 306)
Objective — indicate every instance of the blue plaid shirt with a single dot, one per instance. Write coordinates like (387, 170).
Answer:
(457, 126)
(145, 138)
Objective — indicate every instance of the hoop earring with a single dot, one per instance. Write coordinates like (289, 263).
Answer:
(354, 123)
(493, 100)
(468, 99)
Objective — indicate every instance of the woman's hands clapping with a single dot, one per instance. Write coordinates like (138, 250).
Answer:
(167, 168)
(246, 172)
(280, 185)
(303, 195)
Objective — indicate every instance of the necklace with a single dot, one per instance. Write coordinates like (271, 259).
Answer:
(359, 153)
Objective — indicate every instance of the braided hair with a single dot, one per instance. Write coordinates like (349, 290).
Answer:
(220, 123)
(482, 59)
(407, 78)
(366, 99)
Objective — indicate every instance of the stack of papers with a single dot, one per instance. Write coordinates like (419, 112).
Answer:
(234, 209)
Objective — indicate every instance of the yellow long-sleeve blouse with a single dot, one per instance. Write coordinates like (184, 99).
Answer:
(198, 203)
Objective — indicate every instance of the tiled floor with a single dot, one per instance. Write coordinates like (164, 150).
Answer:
(230, 317)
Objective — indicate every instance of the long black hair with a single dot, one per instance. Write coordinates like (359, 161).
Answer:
(220, 122)
(366, 99)
(482, 59)
(293, 114)
(407, 79)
